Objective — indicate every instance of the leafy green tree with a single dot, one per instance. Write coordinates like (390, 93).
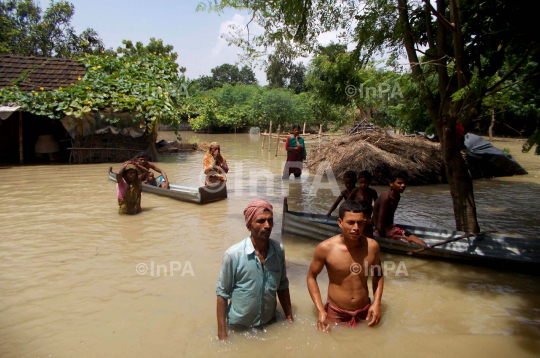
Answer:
(227, 74)
(282, 72)
(26, 30)
(155, 47)
(466, 43)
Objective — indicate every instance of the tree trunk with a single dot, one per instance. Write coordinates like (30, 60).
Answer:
(459, 179)
(491, 125)
(444, 114)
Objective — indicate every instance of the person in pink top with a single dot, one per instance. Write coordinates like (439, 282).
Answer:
(129, 187)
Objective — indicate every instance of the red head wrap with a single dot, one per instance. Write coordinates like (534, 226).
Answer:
(255, 208)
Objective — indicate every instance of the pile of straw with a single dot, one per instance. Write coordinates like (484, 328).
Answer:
(380, 154)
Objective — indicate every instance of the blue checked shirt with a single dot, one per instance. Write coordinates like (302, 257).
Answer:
(252, 291)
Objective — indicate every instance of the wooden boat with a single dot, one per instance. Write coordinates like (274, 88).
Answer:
(202, 195)
(504, 252)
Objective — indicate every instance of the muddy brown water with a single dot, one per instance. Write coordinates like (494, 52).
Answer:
(70, 286)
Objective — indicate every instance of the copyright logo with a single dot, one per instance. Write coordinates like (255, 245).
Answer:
(141, 268)
(356, 268)
(350, 91)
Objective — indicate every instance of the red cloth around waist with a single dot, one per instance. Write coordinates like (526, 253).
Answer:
(336, 315)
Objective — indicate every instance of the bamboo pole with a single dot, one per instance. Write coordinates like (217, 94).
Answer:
(277, 141)
(21, 148)
(304, 131)
(320, 133)
(270, 136)
(264, 139)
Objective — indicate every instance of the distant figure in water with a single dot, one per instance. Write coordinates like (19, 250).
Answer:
(161, 181)
(348, 257)
(214, 165)
(296, 154)
(129, 187)
(252, 272)
(349, 179)
(385, 208)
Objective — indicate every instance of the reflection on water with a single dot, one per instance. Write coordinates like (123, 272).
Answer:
(70, 288)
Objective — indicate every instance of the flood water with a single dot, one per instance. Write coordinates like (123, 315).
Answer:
(70, 288)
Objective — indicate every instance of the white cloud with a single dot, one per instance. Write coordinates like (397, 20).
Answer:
(225, 29)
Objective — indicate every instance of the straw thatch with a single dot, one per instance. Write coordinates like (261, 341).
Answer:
(380, 154)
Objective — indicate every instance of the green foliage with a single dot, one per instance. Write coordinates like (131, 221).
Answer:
(147, 85)
(506, 150)
(155, 47)
(26, 30)
(227, 74)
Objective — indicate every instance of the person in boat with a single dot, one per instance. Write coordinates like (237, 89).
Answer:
(215, 165)
(296, 153)
(129, 188)
(348, 257)
(349, 179)
(385, 208)
(162, 180)
(363, 192)
(252, 273)
(150, 179)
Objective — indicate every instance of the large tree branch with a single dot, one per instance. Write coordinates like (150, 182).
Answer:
(509, 73)
(441, 17)
(416, 68)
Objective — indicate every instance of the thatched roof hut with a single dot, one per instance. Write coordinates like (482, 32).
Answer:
(380, 154)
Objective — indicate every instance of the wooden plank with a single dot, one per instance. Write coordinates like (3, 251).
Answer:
(270, 134)
(21, 147)
(277, 141)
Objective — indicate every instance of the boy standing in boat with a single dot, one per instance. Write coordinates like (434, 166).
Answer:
(349, 179)
(385, 208)
(363, 192)
(347, 258)
(161, 181)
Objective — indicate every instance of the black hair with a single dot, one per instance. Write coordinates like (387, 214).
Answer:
(351, 175)
(143, 155)
(366, 175)
(355, 207)
(295, 126)
(398, 174)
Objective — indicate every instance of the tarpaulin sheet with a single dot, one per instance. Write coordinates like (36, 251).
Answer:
(488, 161)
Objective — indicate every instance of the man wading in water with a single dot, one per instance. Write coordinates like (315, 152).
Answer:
(347, 258)
(252, 272)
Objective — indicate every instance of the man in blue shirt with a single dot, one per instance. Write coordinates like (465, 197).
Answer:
(252, 272)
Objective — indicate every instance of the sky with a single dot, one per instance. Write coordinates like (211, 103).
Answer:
(196, 36)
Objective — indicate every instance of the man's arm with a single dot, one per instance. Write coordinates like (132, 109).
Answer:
(223, 291)
(319, 260)
(377, 282)
(160, 171)
(285, 300)
(222, 317)
(383, 212)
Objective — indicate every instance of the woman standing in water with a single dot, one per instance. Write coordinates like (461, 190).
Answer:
(296, 153)
(129, 188)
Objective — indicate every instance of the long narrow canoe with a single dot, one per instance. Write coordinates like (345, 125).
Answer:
(504, 252)
(202, 195)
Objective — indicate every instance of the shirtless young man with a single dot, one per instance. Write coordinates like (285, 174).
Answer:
(162, 180)
(385, 208)
(347, 257)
